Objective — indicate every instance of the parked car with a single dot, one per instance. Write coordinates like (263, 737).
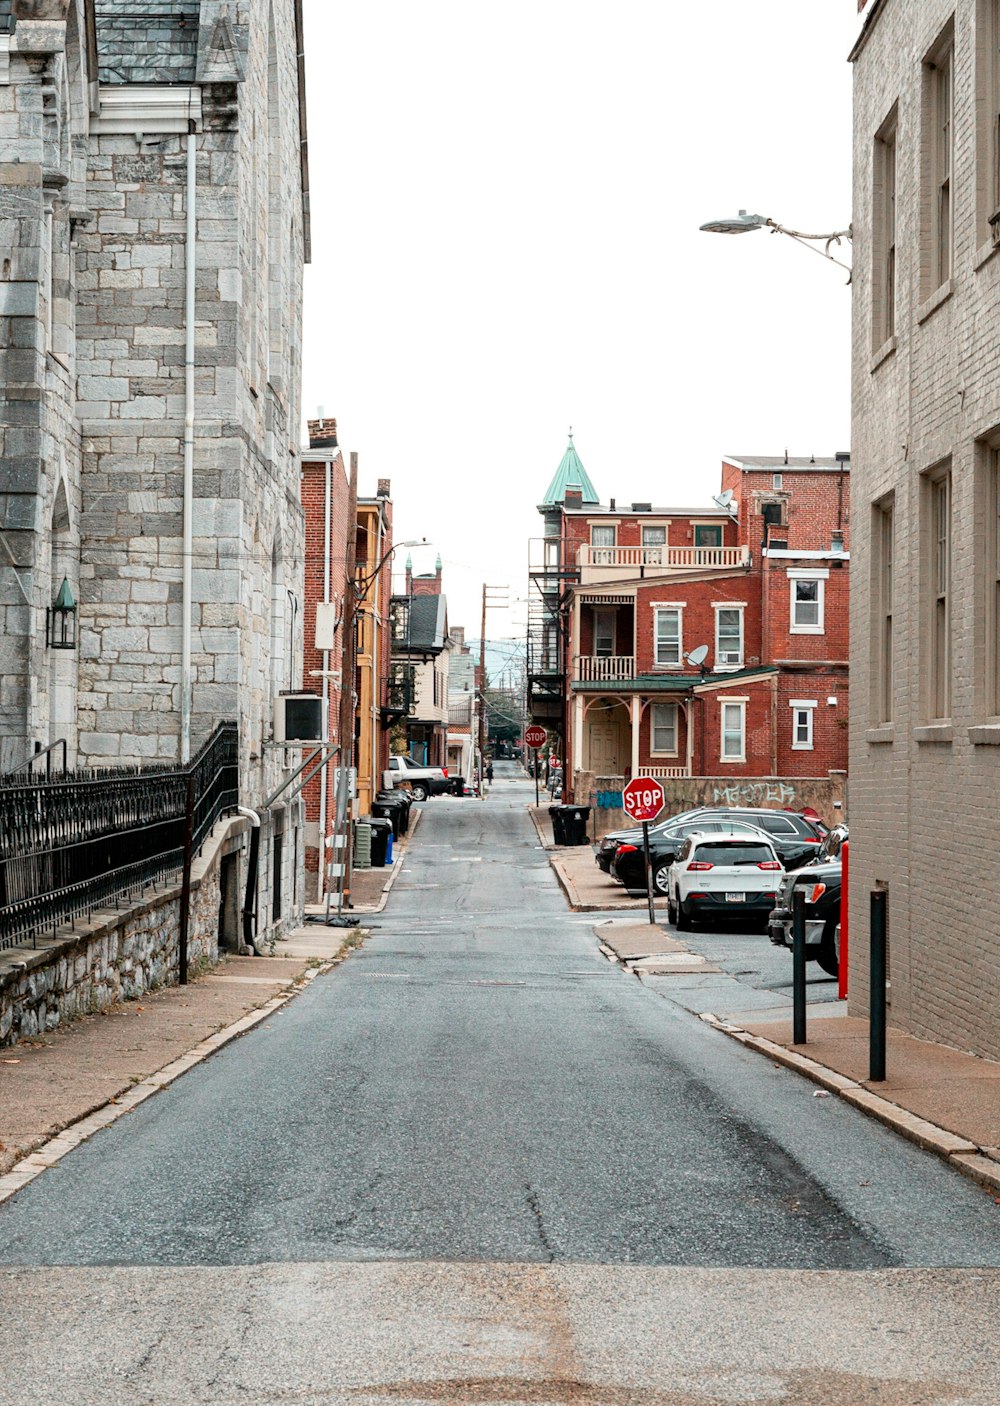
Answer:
(798, 837)
(727, 875)
(629, 866)
(604, 851)
(821, 881)
(423, 781)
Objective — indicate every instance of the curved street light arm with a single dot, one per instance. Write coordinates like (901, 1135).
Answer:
(810, 241)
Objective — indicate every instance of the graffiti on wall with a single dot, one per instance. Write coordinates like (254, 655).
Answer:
(609, 800)
(753, 793)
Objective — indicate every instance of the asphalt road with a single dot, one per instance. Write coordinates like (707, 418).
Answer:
(473, 1115)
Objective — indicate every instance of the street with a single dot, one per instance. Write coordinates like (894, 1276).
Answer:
(476, 1163)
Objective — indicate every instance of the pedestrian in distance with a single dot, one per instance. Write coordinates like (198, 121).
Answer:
(489, 771)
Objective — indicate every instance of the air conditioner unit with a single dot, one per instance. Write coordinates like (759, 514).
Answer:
(299, 717)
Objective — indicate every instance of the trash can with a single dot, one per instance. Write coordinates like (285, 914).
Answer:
(362, 845)
(569, 824)
(397, 804)
(381, 831)
(389, 810)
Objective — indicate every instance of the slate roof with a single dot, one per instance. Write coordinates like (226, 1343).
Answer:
(428, 624)
(146, 41)
(569, 473)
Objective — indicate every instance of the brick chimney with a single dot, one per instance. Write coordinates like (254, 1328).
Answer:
(574, 496)
(322, 433)
(384, 488)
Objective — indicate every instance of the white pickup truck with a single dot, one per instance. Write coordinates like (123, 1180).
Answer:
(423, 781)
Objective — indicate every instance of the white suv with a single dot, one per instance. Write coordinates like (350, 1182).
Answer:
(725, 875)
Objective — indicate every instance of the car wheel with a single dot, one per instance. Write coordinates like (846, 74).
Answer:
(827, 956)
(671, 911)
(661, 878)
(419, 791)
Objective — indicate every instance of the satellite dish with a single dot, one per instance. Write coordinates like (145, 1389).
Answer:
(723, 499)
(698, 655)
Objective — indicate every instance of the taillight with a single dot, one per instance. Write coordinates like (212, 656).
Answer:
(768, 864)
(816, 893)
(812, 839)
(445, 770)
(625, 849)
(698, 866)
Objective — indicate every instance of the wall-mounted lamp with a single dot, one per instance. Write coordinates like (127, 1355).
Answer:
(60, 620)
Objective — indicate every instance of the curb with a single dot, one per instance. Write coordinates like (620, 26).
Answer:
(70, 1137)
(397, 864)
(957, 1151)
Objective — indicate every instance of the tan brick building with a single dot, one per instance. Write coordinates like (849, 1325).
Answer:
(925, 671)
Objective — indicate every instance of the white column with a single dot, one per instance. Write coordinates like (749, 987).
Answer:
(689, 715)
(578, 707)
(635, 708)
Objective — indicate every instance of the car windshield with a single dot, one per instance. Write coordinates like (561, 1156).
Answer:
(732, 852)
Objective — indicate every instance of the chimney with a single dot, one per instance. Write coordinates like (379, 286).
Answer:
(384, 488)
(573, 497)
(322, 433)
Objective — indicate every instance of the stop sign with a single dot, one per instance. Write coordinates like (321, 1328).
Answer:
(643, 798)
(534, 736)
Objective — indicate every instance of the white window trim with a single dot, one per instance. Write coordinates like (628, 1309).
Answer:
(820, 574)
(803, 705)
(679, 606)
(740, 703)
(741, 606)
(654, 751)
(605, 545)
(665, 525)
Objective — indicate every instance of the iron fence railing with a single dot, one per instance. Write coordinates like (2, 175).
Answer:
(92, 839)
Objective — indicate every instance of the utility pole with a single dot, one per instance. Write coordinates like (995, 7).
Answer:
(348, 672)
(487, 603)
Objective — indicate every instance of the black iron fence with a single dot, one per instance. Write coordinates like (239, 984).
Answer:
(94, 839)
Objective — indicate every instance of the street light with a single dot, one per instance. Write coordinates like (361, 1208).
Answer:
(743, 223)
(361, 586)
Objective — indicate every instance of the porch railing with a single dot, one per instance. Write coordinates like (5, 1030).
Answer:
(81, 844)
(604, 668)
(665, 773)
(670, 558)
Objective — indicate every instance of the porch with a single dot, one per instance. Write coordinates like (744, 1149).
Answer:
(631, 734)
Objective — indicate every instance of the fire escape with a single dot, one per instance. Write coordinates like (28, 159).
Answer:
(549, 580)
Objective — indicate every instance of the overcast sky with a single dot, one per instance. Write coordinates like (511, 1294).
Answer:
(505, 211)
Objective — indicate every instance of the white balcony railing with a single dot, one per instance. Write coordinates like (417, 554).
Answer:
(604, 668)
(663, 558)
(665, 773)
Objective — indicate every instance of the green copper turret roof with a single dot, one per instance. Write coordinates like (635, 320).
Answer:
(570, 473)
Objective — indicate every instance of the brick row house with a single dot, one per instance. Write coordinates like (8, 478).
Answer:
(422, 647)
(325, 491)
(695, 641)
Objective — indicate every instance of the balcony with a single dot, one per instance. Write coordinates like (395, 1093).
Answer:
(603, 668)
(604, 563)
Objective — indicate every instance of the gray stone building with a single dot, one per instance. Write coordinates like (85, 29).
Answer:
(925, 657)
(153, 230)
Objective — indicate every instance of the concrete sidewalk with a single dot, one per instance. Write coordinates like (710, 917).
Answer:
(587, 888)
(943, 1099)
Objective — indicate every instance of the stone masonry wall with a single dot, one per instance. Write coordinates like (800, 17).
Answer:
(116, 957)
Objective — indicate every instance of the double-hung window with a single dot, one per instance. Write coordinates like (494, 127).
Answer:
(664, 730)
(937, 568)
(883, 548)
(807, 591)
(988, 121)
(938, 150)
(602, 545)
(604, 633)
(667, 642)
(732, 719)
(884, 234)
(802, 723)
(654, 539)
(729, 636)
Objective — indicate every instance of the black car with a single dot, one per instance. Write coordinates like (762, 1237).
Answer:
(821, 883)
(629, 868)
(605, 849)
(797, 839)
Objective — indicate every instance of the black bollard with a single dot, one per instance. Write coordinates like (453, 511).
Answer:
(798, 966)
(877, 977)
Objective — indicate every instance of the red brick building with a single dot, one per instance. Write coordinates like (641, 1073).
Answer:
(695, 641)
(326, 504)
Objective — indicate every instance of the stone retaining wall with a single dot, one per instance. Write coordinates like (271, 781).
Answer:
(115, 956)
(825, 794)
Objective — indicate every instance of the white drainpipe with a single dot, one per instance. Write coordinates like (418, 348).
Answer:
(188, 498)
(320, 878)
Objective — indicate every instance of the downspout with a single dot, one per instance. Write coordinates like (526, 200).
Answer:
(188, 491)
(253, 860)
(321, 875)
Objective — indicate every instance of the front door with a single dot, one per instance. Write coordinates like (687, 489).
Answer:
(607, 750)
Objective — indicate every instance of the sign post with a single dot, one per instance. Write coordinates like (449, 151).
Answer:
(534, 737)
(642, 800)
